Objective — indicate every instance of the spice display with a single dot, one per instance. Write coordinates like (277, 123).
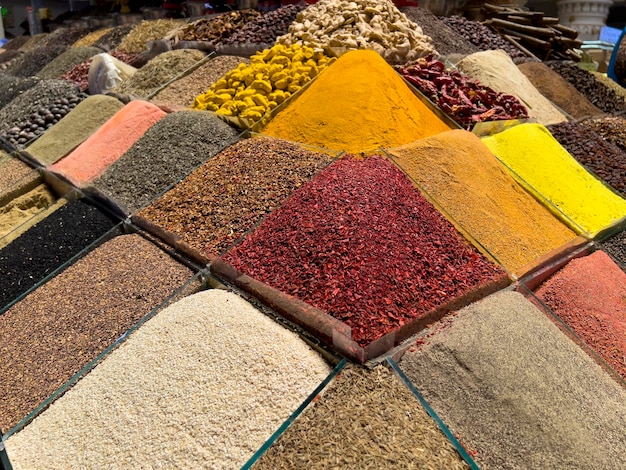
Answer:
(445, 39)
(537, 400)
(210, 374)
(8, 56)
(604, 159)
(66, 61)
(495, 69)
(360, 243)
(230, 193)
(158, 71)
(29, 63)
(136, 40)
(463, 99)
(537, 35)
(218, 28)
(81, 122)
(273, 75)
(364, 419)
(616, 247)
(586, 83)
(12, 171)
(11, 87)
(467, 181)
(184, 90)
(91, 38)
(611, 128)
(40, 95)
(57, 329)
(34, 42)
(65, 36)
(22, 208)
(605, 80)
(558, 90)
(111, 40)
(161, 158)
(358, 105)
(549, 172)
(360, 24)
(264, 29)
(49, 244)
(41, 119)
(109, 142)
(79, 74)
(16, 43)
(482, 36)
(589, 295)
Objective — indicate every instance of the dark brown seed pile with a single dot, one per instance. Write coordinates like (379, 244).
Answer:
(16, 43)
(598, 155)
(481, 36)
(65, 36)
(611, 128)
(266, 28)
(165, 154)
(616, 247)
(32, 62)
(42, 119)
(11, 87)
(60, 327)
(114, 37)
(9, 55)
(233, 191)
(446, 40)
(595, 91)
(24, 105)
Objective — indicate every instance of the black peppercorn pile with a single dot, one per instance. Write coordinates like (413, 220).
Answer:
(603, 158)
(481, 36)
(594, 90)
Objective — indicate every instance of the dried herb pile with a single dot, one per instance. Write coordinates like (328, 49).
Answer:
(91, 38)
(136, 40)
(230, 193)
(66, 61)
(589, 295)
(511, 386)
(113, 38)
(159, 71)
(64, 324)
(49, 244)
(601, 157)
(210, 375)
(164, 155)
(362, 244)
(364, 419)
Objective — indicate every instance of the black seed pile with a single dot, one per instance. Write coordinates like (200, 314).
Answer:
(33, 61)
(594, 90)
(481, 36)
(596, 154)
(165, 154)
(446, 40)
(113, 38)
(49, 244)
(43, 93)
(616, 247)
(42, 119)
(11, 87)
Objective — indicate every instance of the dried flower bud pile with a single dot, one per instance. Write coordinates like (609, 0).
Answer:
(360, 24)
(464, 99)
(272, 76)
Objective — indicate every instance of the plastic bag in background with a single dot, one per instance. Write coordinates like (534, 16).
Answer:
(107, 73)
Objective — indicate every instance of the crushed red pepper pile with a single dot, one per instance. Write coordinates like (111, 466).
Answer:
(361, 243)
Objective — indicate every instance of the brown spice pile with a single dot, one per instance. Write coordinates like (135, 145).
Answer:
(60, 327)
(366, 420)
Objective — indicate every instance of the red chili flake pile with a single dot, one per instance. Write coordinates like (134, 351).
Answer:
(361, 243)
(465, 100)
(80, 72)
(589, 295)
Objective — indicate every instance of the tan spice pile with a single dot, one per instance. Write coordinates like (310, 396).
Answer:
(366, 419)
(22, 208)
(91, 38)
(136, 40)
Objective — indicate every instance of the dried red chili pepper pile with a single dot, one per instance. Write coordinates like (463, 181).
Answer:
(361, 243)
(464, 99)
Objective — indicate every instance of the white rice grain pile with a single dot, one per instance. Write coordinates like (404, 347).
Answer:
(201, 385)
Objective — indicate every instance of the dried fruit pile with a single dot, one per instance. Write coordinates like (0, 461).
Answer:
(218, 28)
(464, 99)
(362, 244)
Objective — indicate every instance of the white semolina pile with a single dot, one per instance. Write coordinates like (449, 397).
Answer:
(203, 384)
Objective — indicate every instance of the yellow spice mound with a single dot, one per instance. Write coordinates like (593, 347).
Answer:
(358, 105)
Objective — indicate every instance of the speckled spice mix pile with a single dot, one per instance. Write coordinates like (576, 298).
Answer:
(59, 328)
(366, 419)
(233, 191)
(611, 128)
(589, 295)
(362, 244)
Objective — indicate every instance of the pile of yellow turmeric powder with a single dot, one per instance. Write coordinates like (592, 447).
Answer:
(358, 105)
(249, 91)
